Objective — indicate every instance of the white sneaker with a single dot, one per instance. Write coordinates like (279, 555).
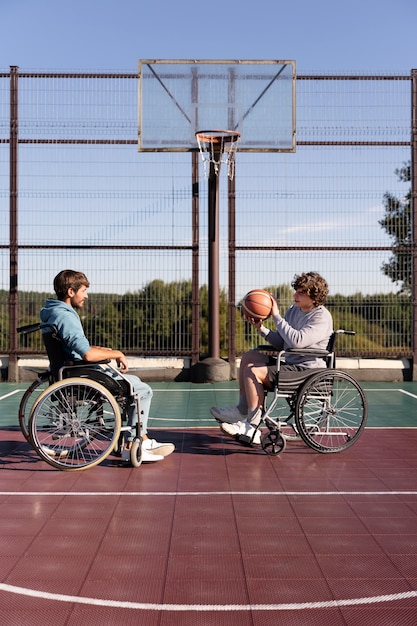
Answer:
(228, 414)
(242, 431)
(154, 447)
(54, 452)
(147, 457)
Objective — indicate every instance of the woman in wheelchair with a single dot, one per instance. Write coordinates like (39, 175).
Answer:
(71, 290)
(306, 324)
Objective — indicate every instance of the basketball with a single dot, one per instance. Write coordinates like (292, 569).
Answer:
(257, 304)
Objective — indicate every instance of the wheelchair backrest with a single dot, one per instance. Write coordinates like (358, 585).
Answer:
(331, 357)
(56, 355)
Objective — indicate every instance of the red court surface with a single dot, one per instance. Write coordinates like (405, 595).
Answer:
(215, 534)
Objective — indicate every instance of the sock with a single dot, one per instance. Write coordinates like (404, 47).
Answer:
(242, 405)
(254, 416)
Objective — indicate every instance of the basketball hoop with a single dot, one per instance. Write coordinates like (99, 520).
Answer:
(217, 147)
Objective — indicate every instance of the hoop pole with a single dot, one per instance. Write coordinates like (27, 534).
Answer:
(413, 200)
(213, 264)
(212, 145)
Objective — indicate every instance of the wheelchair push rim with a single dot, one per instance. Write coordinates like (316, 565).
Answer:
(29, 398)
(74, 424)
(331, 411)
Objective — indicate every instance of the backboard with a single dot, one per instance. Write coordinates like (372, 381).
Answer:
(177, 98)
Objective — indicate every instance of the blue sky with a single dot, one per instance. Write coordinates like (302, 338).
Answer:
(324, 36)
(368, 36)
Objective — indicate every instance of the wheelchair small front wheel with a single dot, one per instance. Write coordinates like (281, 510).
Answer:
(136, 453)
(273, 443)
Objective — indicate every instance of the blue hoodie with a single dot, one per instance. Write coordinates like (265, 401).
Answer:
(69, 326)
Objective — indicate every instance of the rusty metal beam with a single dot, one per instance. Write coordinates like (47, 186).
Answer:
(13, 232)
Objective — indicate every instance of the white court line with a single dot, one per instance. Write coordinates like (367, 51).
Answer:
(233, 389)
(181, 420)
(11, 394)
(207, 493)
(326, 604)
(407, 393)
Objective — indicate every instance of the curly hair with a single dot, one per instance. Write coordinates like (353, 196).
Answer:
(312, 284)
(69, 279)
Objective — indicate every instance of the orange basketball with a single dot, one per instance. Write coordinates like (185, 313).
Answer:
(258, 304)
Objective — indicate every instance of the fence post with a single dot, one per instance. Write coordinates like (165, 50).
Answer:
(414, 215)
(13, 204)
(195, 283)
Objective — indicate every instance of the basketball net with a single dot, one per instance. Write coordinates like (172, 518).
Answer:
(217, 147)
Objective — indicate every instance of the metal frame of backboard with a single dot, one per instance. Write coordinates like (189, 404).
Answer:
(177, 98)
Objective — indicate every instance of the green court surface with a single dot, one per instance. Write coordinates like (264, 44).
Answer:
(187, 405)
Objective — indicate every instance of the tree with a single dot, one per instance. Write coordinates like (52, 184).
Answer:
(398, 225)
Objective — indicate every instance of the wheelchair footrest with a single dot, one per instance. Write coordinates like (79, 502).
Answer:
(244, 440)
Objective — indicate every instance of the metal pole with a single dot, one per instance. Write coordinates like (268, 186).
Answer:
(232, 278)
(195, 297)
(231, 209)
(413, 201)
(213, 262)
(13, 234)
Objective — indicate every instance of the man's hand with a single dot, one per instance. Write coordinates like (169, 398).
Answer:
(256, 322)
(97, 353)
(122, 364)
(275, 308)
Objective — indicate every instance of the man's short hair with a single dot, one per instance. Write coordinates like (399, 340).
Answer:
(69, 279)
(313, 285)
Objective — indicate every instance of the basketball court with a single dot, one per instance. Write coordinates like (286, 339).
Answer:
(216, 533)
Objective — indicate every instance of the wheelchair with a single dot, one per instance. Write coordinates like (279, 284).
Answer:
(327, 407)
(74, 414)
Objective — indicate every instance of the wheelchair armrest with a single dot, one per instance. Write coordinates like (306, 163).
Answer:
(81, 363)
(311, 351)
(315, 352)
(266, 348)
(65, 369)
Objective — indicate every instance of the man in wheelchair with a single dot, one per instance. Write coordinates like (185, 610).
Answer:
(306, 324)
(71, 290)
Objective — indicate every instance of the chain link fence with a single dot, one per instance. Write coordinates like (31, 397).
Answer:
(76, 193)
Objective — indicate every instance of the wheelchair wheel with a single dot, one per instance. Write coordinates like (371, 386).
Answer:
(75, 424)
(273, 443)
(136, 452)
(331, 411)
(29, 398)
